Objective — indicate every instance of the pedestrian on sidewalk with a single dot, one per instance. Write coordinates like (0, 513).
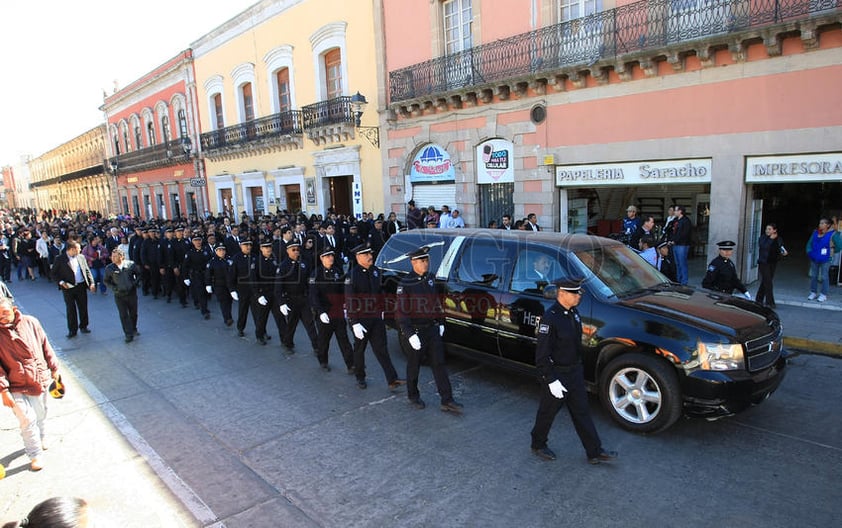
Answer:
(123, 277)
(74, 278)
(770, 248)
(28, 364)
(820, 251)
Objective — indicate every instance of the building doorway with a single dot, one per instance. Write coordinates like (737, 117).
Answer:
(257, 203)
(293, 197)
(226, 198)
(339, 188)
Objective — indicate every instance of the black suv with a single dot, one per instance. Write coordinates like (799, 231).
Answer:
(652, 348)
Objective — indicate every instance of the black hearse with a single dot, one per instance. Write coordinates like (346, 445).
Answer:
(652, 348)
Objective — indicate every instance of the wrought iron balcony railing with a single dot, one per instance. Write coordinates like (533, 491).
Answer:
(637, 27)
(276, 125)
(160, 155)
(330, 112)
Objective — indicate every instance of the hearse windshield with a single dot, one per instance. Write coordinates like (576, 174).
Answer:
(617, 271)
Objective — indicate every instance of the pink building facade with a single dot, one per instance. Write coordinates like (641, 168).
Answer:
(576, 110)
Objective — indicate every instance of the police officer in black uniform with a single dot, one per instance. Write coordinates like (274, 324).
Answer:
(666, 265)
(365, 304)
(420, 317)
(195, 265)
(168, 263)
(558, 358)
(180, 245)
(264, 294)
(150, 259)
(219, 277)
(721, 275)
(245, 280)
(292, 292)
(326, 298)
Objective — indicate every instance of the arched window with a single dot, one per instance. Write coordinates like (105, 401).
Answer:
(217, 106)
(138, 137)
(165, 128)
(284, 101)
(150, 131)
(182, 124)
(248, 102)
(126, 144)
(333, 73)
(116, 145)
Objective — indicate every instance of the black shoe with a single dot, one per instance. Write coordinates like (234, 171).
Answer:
(325, 367)
(84, 330)
(603, 456)
(229, 322)
(396, 384)
(261, 340)
(773, 306)
(418, 404)
(71, 335)
(129, 338)
(361, 384)
(184, 305)
(136, 333)
(452, 406)
(270, 337)
(351, 370)
(240, 333)
(169, 300)
(288, 351)
(206, 316)
(544, 453)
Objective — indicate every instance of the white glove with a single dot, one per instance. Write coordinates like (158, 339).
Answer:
(187, 282)
(748, 295)
(209, 289)
(359, 331)
(285, 309)
(235, 296)
(324, 318)
(441, 330)
(557, 389)
(415, 342)
(262, 300)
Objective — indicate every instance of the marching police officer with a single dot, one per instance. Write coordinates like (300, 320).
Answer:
(326, 285)
(245, 281)
(365, 304)
(168, 263)
(558, 358)
(195, 264)
(420, 317)
(291, 293)
(219, 278)
(721, 275)
(181, 245)
(264, 294)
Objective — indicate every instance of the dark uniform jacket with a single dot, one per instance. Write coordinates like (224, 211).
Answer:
(722, 276)
(326, 290)
(122, 281)
(135, 245)
(167, 254)
(267, 270)
(244, 272)
(219, 273)
(559, 342)
(364, 295)
(196, 262)
(418, 303)
(667, 267)
(150, 254)
(293, 280)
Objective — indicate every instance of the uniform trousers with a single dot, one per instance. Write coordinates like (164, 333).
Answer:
(167, 282)
(261, 316)
(223, 295)
(127, 309)
(199, 294)
(244, 305)
(299, 309)
(336, 326)
(180, 288)
(76, 302)
(433, 348)
(31, 412)
(155, 281)
(376, 335)
(576, 399)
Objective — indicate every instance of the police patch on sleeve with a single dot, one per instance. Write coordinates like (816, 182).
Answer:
(711, 268)
(543, 329)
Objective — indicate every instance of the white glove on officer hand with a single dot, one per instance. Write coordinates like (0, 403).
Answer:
(557, 389)
(324, 318)
(415, 342)
(748, 295)
(285, 309)
(235, 296)
(359, 331)
(262, 300)
(441, 330)
(187, 282)
(209, 289)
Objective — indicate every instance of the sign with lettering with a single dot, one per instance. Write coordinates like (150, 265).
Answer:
(495, 161)
(634, 173)
(800, 168)
(197, 182)
(432, 164)
(357, 191)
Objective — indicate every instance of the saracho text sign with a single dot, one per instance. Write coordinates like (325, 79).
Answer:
(634, 173)
(495, 162)
(800, 168)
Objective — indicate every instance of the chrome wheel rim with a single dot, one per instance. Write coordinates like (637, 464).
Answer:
(635, 395)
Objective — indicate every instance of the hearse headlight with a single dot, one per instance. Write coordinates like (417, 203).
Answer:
(719, 356)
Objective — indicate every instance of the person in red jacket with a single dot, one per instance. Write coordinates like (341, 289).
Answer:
(28, 364)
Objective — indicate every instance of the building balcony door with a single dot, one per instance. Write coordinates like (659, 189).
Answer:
(293, 197)
(340, 194)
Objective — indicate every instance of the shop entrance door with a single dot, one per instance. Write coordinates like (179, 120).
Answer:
(257, 204)
(754, 228)
(226, 199)
(340, 194)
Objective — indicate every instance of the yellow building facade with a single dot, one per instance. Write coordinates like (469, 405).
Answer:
(281, 129)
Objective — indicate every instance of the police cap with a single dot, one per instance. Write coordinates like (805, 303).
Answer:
(664, 243)
(196, 237)
(328, 250)
(420, 253)
(169, 230)
(220, 246)
(266, 243)
(291, 244)
(361, 249)
(246, 242)
(726, 245)
(573, 285)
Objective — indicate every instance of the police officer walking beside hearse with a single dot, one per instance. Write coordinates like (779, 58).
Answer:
(420, 318)
(721, 274)
(558, 358)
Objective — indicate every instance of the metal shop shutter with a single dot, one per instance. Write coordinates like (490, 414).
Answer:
(435, 195)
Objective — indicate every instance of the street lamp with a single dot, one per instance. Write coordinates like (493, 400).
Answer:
(186, 146)
(372, 134)
(114, 166)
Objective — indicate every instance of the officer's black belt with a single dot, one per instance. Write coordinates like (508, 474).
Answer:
(566, 368)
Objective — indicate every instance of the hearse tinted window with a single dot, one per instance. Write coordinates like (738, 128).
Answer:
(484, 262)
(536, 267)
(393, 255)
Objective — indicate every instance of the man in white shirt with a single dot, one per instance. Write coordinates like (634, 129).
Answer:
(444, 217)
(456, 219)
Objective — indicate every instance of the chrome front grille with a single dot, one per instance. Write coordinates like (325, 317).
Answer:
(763, 351)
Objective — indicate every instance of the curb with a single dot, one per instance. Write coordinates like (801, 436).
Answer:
(811, 346)
(811, 304)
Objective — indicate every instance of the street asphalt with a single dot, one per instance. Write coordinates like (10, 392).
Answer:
(98, 454)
